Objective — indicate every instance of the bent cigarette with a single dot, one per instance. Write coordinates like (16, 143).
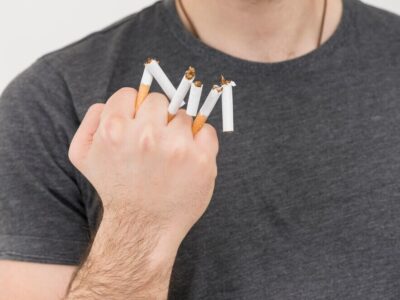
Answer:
(194, 98)
(144, 87)
(155, 70)
(206, 108)
(227, 105)
(181, 92)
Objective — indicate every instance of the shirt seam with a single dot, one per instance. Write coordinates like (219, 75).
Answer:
(109, 28)
(69, 98)
(43, 238)
(48, 258)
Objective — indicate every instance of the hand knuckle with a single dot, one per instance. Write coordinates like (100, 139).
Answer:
(96, 107)
(147, 139)
(182, 112)
(112, 129)
(203, 160)
(158, 97)
(207, 165)
(185, 117)
(178, 150)
(127, 92)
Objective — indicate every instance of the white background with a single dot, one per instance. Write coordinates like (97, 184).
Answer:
(31, 28)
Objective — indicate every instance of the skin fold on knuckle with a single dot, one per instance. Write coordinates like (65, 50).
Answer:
(147, 139)
(178, 150)
(112, 130)
(206, 165)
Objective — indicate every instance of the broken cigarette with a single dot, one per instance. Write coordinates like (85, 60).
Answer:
(227, 104)
(145, 85)
(155, 70)
(194, 98)
(206, 108)
(183, 89)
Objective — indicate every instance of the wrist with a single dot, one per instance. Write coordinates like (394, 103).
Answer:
(142, 230)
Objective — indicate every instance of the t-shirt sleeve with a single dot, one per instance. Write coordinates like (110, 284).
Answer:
(42, 213)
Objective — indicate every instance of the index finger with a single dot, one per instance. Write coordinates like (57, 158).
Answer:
(121, 103)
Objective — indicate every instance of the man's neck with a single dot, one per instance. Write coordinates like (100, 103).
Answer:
(262, 30)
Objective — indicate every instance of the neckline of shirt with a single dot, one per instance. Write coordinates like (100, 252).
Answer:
(174, 24)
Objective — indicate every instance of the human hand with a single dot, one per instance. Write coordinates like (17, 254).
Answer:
(140, 163)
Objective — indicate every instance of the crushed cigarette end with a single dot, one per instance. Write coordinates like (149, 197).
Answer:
(190, 73)
(217, 88)
(224, 81)
(149, 60)
(198, 83)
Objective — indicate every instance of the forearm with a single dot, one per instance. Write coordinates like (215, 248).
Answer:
(154, 187)
(128, 260)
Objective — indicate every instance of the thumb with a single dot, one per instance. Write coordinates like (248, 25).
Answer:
(83, 137)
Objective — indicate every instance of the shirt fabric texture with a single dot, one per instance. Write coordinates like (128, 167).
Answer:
(307, 200)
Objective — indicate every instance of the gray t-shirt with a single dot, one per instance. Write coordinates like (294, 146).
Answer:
(307, 201)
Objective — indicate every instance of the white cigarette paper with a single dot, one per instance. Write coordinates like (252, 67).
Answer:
(227, 107)
(183, 89)
(155, 70)
(194, 98)
(210, 101)
(147, 78)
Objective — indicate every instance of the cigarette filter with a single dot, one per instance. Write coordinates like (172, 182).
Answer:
(194, 98)
(227, 104)
(181, 92)
(144, 87)
(155, 70)
(206, 108)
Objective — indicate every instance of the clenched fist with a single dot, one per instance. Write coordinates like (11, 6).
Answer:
(138, 162)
